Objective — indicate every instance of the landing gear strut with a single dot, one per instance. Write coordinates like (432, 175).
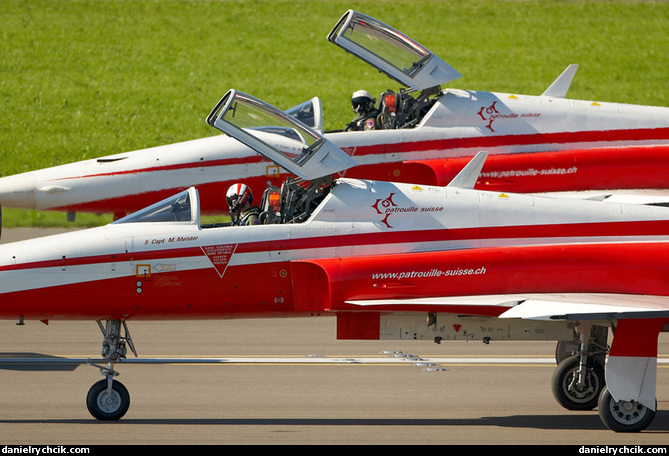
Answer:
(579, 379)
(108, 399)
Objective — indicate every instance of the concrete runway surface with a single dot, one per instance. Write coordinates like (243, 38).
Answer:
(289, 381)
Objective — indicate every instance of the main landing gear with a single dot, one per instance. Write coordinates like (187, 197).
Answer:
(108, 399)
(579, 378)
(579, 382)
(624, 416)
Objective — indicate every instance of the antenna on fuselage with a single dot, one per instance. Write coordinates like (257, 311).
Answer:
(469, 175)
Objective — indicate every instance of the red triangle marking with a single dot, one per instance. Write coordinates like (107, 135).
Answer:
(220, 255)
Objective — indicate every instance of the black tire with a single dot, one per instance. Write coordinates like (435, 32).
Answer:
(565, 349)
(623, 416)
(106, 408)
(571, 398)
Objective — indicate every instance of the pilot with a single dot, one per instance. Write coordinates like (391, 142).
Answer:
(240, 198)
(363, 105)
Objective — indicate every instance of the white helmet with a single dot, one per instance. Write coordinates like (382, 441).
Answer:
(238, 195)
(362, 102)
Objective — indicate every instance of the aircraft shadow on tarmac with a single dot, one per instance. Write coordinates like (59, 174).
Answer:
(545, 422)
(55, 363)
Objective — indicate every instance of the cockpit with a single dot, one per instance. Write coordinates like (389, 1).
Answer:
(182, 207)
(294, 202)
(396, 110)
(401, 58)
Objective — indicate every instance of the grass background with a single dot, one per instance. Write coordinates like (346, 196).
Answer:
(85, 78)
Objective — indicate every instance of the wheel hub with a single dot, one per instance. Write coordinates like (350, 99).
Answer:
(580, 391)
(627, 412)
(109, 402)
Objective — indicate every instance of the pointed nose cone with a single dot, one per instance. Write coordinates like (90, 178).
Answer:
(18, 191)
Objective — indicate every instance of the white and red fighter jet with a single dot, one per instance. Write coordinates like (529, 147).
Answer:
(421, 134)
(389, 260)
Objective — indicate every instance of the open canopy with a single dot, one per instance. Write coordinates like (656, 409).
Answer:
(391, 52)
(278, 136)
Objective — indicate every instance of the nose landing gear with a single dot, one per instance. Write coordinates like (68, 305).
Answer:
(108, 399)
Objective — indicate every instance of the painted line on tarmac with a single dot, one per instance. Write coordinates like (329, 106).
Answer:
(395, 358)
(345, 360)
(315, 359)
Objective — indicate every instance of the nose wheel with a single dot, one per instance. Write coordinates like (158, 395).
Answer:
(108, 402)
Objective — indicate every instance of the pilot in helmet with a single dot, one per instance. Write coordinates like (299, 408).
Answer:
(363, 106)
(240, 197)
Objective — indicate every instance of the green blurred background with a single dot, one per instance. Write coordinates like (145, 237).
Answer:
(86, 78)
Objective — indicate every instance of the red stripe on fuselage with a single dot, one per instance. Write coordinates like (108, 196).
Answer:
(600, 137)
(202, 164)
(604, 138)
(563, 233)
(594, 173)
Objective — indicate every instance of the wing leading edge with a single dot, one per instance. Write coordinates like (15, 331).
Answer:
(563, 306)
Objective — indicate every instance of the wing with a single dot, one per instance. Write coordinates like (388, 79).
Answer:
(542, 306)
(631, 370)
